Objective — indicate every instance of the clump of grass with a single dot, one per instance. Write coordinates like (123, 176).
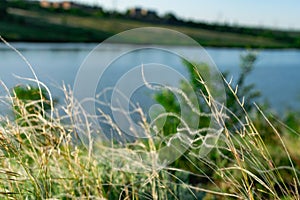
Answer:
(54, 155)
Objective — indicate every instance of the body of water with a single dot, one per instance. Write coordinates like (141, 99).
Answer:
(276, 73)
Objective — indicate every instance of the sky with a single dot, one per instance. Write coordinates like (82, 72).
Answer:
(263, 13)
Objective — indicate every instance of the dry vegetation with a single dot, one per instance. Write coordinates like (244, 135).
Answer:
(42, 157)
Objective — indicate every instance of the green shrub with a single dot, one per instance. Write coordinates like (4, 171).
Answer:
(30, 100)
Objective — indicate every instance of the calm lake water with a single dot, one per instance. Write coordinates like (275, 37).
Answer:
(276, 73)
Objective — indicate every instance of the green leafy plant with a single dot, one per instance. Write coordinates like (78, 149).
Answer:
(30, 100)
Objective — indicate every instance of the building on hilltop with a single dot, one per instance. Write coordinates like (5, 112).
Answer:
(140, 13)
(66, 5)
(45, 4)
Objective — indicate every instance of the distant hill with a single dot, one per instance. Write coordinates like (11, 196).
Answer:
(68, 22)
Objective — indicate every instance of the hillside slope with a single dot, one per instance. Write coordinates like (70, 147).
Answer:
(37, 26)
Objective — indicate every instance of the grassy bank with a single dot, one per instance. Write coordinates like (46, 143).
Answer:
(45, 26)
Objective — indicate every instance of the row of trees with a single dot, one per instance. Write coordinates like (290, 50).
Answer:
(3, 6)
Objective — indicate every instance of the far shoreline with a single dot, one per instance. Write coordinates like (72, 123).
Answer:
(13, 41)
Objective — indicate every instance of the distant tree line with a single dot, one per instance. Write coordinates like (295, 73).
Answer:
(3, 7)
(151, 17)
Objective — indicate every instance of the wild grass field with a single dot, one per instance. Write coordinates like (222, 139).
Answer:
(48, 150)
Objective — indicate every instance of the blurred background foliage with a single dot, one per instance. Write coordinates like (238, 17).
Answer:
(241, 100)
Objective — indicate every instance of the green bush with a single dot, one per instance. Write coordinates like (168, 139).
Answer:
(29, 101)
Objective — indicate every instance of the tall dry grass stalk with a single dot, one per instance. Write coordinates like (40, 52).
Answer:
(46, 160)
